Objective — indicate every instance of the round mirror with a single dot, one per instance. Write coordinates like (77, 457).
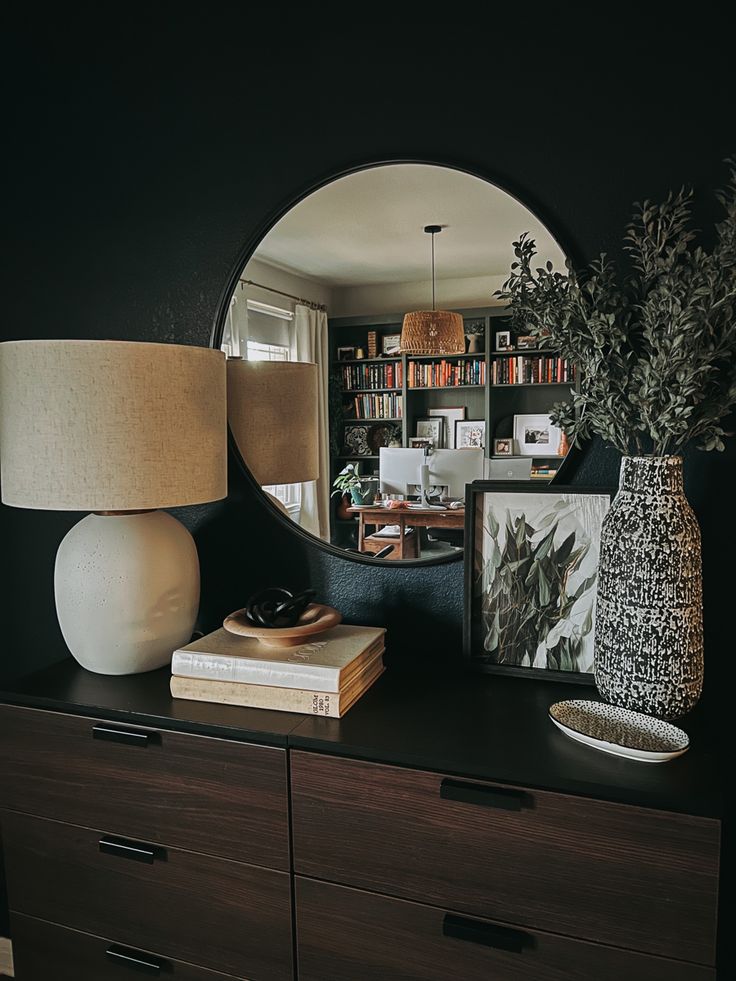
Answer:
(371, 371)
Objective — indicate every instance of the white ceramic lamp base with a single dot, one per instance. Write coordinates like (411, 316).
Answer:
(127, 590)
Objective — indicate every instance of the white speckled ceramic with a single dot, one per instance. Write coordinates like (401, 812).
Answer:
(127, 590)
(619, 731)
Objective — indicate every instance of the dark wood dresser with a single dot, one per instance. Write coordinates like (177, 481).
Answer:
(443, 830)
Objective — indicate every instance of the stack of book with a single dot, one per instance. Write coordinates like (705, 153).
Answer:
(324, 677)
(543, 471)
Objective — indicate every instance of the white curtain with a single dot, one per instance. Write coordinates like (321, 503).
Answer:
(309, 343)
(235, 336)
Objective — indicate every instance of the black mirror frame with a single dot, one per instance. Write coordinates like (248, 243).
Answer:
(568, 465)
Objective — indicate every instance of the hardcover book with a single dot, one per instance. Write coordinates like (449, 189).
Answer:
(325, 664)
(310, 702)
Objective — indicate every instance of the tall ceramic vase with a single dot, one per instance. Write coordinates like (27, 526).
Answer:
(649, 615)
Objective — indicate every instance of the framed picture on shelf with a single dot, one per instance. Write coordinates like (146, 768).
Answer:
(503, 446)
(475, 332)
(391, 345)
(503, 340)
(345, 353)
(421, 443)
(470, 434)
(431, 428)
(535, 435)
(356, 441)
(451, 416)
(525, 341)
(531, 570)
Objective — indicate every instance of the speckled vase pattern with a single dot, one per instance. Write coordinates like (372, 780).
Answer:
(649, 612)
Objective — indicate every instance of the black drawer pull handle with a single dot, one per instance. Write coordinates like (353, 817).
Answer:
(487, 934)
(122, 848)
(136, 961)
(128, 736)
(474, 793)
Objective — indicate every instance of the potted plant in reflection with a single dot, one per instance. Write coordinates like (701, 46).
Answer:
(656, 352)
(362, 490)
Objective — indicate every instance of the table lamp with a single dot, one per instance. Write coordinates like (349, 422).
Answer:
(272, 409)
(119, 429)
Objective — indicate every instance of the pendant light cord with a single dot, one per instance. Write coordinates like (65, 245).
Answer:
(434, 304)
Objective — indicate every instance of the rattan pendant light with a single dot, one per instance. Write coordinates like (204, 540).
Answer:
(432, 331)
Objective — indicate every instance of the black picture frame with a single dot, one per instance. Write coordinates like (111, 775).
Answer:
(473, 628)
(481, 423)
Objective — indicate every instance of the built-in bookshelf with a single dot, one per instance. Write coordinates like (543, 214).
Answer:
(376, 401)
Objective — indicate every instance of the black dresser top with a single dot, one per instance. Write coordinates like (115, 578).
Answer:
(475, 726)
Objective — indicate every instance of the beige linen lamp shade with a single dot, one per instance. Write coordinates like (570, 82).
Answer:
(272, 411)
(111, 425)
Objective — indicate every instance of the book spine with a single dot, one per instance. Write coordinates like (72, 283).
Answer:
(258, 696)
(212, 667)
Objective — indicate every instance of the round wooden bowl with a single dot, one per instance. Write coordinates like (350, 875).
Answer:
(315, 620)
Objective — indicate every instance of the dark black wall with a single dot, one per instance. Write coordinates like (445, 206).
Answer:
(144, 154)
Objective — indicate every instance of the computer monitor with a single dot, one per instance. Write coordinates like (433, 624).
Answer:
(454, 469)
(399, 472)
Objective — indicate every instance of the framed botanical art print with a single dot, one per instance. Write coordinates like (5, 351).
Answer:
(531, 572)
(470, 433)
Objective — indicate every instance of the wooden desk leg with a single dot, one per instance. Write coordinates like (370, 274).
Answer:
(402, 536)
(361, 532)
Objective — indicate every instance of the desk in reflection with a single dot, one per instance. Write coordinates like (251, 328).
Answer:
(406, 543)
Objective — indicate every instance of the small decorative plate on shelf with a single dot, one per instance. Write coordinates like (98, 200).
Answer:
(619, 731)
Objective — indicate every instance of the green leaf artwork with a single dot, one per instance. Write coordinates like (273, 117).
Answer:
(656, 343)
(535, 578)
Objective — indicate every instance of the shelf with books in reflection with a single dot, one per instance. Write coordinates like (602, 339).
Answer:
(325, 676)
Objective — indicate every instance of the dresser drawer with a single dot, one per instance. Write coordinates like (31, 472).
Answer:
(226, 916)
(610, 873)
(347, 935)
(211, 795)
(43, 951)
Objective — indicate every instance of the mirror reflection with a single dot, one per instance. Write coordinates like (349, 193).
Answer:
(371, 371)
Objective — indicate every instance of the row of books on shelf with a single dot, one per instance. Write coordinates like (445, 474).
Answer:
(324, 677)
(446, 374)
(383, 406)
(529, 370)
(372, 375)
(543, 471)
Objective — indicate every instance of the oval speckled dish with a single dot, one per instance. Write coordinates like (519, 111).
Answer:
(619, 731)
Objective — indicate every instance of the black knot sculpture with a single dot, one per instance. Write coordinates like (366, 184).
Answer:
(276, 606)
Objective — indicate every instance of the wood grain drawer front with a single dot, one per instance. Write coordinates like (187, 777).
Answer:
(610, 873)
(347, 935)
(43, 951)
(211, 795)
(226, 916)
